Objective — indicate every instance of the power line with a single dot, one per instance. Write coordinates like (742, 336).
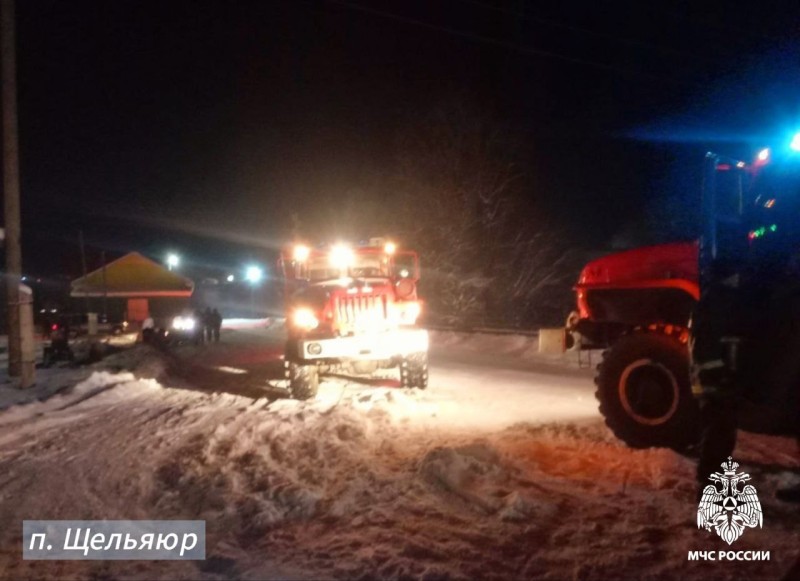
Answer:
(512, 46)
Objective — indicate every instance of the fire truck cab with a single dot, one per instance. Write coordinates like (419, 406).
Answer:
(354, 306)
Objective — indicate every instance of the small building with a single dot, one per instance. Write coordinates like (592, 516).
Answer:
(133, 287)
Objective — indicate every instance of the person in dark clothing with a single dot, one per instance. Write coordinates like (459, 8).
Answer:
(148, 330)
(208, 324)
(199, 326)
(216, 324)
(59, 348)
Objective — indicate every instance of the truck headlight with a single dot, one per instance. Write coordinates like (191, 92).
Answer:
(304, 318)
(183, 323)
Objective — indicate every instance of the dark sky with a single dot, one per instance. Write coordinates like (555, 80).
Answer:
(193, 126)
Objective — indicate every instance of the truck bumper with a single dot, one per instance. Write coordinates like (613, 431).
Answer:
(376, 346)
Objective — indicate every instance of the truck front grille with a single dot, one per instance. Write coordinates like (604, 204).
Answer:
(361, 311)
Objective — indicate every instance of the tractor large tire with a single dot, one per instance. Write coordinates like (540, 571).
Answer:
(303, 380)
(414, 371)
(645, 394)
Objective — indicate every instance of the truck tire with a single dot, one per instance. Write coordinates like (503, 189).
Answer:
(414, 371)
(303, 380)
(645, 394)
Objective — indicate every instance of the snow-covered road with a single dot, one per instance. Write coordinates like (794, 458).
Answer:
(477, 383)
(483, 390)
(501, 469)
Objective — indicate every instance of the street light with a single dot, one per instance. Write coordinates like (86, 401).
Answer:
(254, 274)
(173, 260)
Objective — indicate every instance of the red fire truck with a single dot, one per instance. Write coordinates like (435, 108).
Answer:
(355, 306)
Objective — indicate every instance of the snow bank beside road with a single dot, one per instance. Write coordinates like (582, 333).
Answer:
(48, 382)
(511, 346)
(506, 344)
(94, 384)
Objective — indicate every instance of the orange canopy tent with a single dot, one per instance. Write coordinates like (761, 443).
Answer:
(136, 278)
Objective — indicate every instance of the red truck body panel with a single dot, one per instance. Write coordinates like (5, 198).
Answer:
(665, 266)
(663, 262)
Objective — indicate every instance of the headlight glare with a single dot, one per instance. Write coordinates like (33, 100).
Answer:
(304, 318)
(183, 323)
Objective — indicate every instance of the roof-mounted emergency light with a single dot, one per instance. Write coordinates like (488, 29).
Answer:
(341, 256)
(301, 253)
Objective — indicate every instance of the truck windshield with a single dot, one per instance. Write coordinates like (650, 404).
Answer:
(776, 183)
(773, 225)
(364, 265)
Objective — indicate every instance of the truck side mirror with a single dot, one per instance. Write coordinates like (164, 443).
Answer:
(405, 265)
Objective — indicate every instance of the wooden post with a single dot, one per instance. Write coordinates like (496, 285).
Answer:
(11, 202)
(105, 287)
(83, 265)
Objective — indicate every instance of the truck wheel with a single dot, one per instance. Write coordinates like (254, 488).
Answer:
(414, 371)
(303, 380)
(645, 394)
(290, 350)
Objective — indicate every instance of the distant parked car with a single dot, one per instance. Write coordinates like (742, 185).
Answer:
(185, 328)
(78, 324)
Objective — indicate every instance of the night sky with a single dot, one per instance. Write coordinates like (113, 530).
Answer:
(199, 126)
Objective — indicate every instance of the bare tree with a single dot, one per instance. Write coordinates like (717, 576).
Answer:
(467, 205)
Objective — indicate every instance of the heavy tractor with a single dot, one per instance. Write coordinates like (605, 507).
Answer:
(714, 319)
(353, 307)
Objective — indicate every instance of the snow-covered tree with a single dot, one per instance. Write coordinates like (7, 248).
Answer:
(467, 206)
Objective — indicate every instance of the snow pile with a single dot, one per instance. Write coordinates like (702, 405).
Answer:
(475, 474)
(350, 485)
(271, 463)
(491, 473)
(380, 404)
(97, 382)
(143, 360)
(48, 382)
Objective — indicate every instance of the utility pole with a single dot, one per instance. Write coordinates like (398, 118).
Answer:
(11, 192)
(105, 287)
(83, 267)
